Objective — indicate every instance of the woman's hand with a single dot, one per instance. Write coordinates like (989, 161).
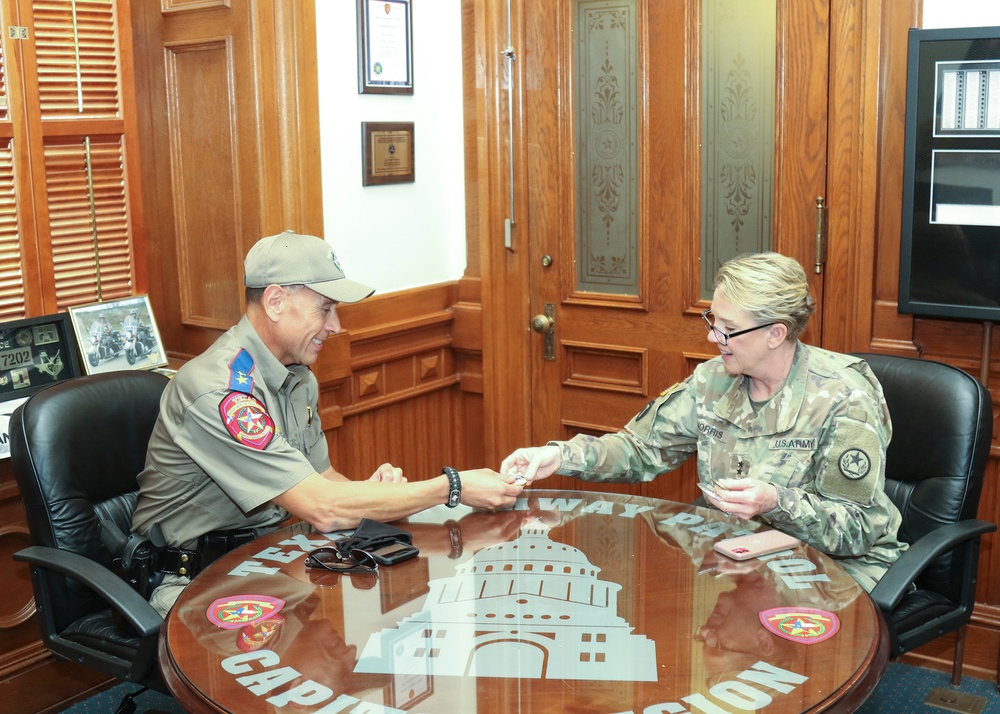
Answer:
(745, 497)
(531, 464)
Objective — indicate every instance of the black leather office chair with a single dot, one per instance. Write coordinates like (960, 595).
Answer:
(76, 447)
(942, 425)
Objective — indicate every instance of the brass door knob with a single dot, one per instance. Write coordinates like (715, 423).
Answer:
(542, 323)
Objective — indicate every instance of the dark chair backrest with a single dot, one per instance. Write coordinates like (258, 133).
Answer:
(76, 446)
(942, 426)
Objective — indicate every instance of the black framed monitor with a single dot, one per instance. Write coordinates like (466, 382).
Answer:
(950, 241)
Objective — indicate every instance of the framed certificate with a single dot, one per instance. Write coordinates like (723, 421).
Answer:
(385, 47)
(387, 153)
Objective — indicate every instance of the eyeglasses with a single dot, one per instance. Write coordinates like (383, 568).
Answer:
(723, 337)
(329, 558)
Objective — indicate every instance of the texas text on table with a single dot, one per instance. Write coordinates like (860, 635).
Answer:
(571, 602)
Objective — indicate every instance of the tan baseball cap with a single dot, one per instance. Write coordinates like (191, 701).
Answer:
(293, 259)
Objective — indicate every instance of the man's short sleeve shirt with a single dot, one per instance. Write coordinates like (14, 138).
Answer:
(236, 429)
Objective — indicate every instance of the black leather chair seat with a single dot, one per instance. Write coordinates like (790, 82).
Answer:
(99, 631)
(920, 607)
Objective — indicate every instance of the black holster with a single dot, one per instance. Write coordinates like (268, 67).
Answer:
(137, 565)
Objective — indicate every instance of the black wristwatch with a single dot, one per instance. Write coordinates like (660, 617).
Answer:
(454, 487)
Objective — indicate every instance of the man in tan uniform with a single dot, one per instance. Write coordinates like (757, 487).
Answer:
(238, 444)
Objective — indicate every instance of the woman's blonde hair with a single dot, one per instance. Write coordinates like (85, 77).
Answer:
(769, 287)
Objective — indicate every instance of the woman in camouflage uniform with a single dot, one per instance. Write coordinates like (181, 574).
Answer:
(787, 434)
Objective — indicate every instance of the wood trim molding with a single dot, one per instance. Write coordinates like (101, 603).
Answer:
(400, 347)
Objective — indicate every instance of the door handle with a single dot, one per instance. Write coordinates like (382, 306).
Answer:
(545, 323)
(820, 234)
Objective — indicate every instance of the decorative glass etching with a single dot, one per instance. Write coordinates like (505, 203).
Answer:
(739, 39)
(606, 95)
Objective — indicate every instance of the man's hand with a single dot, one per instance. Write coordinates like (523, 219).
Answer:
(483, 488)
(531, 464)
(387, 473)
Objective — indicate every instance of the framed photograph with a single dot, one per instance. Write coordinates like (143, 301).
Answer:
(35, 353)
(385, 47)
(118, 334)
(387, 153)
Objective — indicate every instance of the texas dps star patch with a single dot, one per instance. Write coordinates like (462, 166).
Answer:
(246, 419)
(237, 611)
(804, 625)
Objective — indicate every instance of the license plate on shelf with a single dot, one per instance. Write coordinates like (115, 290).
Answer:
(12, 359)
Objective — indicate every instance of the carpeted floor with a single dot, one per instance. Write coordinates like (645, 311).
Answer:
(903, 689)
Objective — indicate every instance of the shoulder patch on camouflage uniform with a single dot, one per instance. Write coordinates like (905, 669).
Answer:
(642, 423)
(854, 463)
(246, 419)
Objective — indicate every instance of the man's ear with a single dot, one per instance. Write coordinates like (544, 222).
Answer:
(273, 301)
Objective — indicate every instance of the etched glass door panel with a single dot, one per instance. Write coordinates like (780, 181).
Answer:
(739, 40)
(606, 99)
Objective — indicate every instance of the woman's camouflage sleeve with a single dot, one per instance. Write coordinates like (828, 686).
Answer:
(842, 509)
(659, 438)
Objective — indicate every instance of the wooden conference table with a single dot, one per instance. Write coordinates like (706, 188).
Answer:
(571, 602)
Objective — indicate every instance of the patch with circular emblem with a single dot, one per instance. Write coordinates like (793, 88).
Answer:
(258, 634)
(855, 464)
(246, 419)
(804, 625)
(237, 611)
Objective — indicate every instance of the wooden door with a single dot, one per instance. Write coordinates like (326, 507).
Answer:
(610, 352)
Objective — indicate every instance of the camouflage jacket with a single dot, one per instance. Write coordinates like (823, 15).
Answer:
(821, 440)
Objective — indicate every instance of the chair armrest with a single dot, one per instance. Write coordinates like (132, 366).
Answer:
(901, 574)
(111, 588)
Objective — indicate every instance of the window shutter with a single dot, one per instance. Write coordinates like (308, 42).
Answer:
(67, 134)
(11, 281)
(76, 52)
(3, 86)
(88, 221)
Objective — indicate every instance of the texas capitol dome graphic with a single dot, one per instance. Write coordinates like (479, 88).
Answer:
(531, 608)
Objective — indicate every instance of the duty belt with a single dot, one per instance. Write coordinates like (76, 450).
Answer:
(211, 546)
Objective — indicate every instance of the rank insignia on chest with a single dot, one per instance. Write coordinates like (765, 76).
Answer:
(246, 419)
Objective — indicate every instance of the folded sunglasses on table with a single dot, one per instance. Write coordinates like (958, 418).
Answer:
(371, 544)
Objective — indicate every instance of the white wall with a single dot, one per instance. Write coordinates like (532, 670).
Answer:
(960, 13)
(399, 235)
